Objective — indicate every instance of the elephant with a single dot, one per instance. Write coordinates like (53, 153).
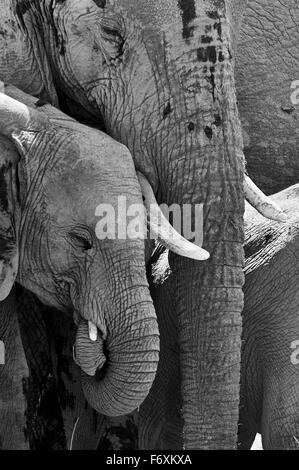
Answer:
(158, 77)
(48, 243)
(267, 81)
(270, 335)
(270, 347)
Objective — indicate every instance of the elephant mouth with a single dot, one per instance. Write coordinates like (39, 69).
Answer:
(90, 351)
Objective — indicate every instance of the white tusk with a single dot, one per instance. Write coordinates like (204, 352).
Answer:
(262, 203)
(161, 228)
(92, 331)
(16, 116)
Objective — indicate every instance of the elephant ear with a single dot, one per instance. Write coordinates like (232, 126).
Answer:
(8, 239)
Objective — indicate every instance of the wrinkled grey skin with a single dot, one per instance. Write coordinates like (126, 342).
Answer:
(47, 207)
(267, 63)
(270, 355)
(13, 373)
(252, 94)
(159, 76)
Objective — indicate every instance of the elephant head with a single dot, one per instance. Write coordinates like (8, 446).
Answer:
(160, 76)
(48, 194)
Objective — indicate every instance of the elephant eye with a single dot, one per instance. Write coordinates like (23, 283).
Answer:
(81, 239)
(112, 34)
(100, 3)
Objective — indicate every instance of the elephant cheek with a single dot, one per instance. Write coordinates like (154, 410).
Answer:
(89, 355)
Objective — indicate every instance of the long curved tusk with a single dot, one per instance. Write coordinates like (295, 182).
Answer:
(262, 203)
(162, 229)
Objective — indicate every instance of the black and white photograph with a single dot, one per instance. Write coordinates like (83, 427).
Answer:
(149, 227)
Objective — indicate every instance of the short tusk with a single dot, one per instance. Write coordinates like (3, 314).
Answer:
(92, 331)
(262, 203)
(161, 228)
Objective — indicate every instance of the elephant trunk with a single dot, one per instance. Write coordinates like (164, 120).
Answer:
(130, 358)
(209, 169)
(209, 302)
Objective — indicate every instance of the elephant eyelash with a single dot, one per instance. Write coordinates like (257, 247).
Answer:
(113, 35)
(109, 31)
(81, 241)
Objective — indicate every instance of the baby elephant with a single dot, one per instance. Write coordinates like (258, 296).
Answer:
(270, 356)
(54, 174)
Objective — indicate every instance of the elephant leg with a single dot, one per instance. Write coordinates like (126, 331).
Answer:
(13, 376)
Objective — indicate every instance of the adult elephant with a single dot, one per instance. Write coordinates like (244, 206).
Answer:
(159, 77)
(267, 80)
(270, 355)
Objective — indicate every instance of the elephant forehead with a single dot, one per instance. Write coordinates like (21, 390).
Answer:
(166, 14)
(75, 196)
(80, 159)
(92, 169)
(153, 13)
(67, 205)
(75, 189)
